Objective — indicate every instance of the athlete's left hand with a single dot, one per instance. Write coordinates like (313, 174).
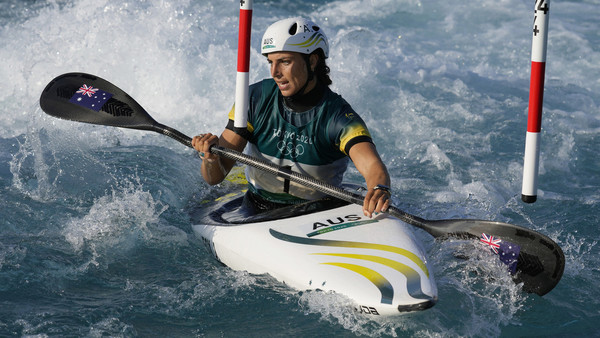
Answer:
(376, 201)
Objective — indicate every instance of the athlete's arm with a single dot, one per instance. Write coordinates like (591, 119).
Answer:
(215, 168)
(369, 164)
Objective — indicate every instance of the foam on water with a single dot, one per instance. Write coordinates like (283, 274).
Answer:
(116, 221)
(132, 44)
(339, 310)
(97, 215)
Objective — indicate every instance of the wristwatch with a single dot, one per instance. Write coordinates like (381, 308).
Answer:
(383, 187)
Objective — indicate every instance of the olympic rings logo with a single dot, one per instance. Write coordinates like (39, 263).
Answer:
(288, 148)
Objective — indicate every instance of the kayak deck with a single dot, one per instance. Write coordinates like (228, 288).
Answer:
(326, 245)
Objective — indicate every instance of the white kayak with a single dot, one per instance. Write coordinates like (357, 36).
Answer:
(326, 245)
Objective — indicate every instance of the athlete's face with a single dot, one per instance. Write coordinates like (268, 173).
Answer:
(288, 69)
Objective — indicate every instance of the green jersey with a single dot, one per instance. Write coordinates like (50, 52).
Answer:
(315, 142)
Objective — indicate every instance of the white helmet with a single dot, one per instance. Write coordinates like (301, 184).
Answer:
(294, 35)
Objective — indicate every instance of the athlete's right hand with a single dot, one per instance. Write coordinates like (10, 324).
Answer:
(202, 144)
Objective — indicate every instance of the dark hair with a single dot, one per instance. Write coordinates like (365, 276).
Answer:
(322, 70)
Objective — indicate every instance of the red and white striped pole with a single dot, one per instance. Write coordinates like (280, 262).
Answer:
(536, 97)
(243, 65)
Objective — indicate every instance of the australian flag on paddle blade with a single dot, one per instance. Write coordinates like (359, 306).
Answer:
(90, 97)
(509, 254)
(507, 251)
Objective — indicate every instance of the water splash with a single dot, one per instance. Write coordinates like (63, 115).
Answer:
(443, 87)
(115, 224)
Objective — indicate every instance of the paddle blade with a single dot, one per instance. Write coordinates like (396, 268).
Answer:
(87, 98)
(533, 258)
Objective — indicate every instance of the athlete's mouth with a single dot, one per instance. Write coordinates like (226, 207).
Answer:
(283, 85)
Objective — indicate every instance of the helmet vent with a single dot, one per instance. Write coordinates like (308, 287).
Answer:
(316, 28)
(293, 29)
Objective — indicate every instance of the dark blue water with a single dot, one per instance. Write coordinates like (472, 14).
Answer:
(95, 237)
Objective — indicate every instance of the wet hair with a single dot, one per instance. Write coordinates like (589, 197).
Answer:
(322, 70)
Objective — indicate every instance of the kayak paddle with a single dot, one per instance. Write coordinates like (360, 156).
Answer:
(533, 258)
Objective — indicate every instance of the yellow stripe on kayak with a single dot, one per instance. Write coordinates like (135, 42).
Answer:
(347, 244)
(413, 279)
(384, 286)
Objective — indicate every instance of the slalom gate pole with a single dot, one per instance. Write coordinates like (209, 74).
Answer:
(243, 65)
(536, 96)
